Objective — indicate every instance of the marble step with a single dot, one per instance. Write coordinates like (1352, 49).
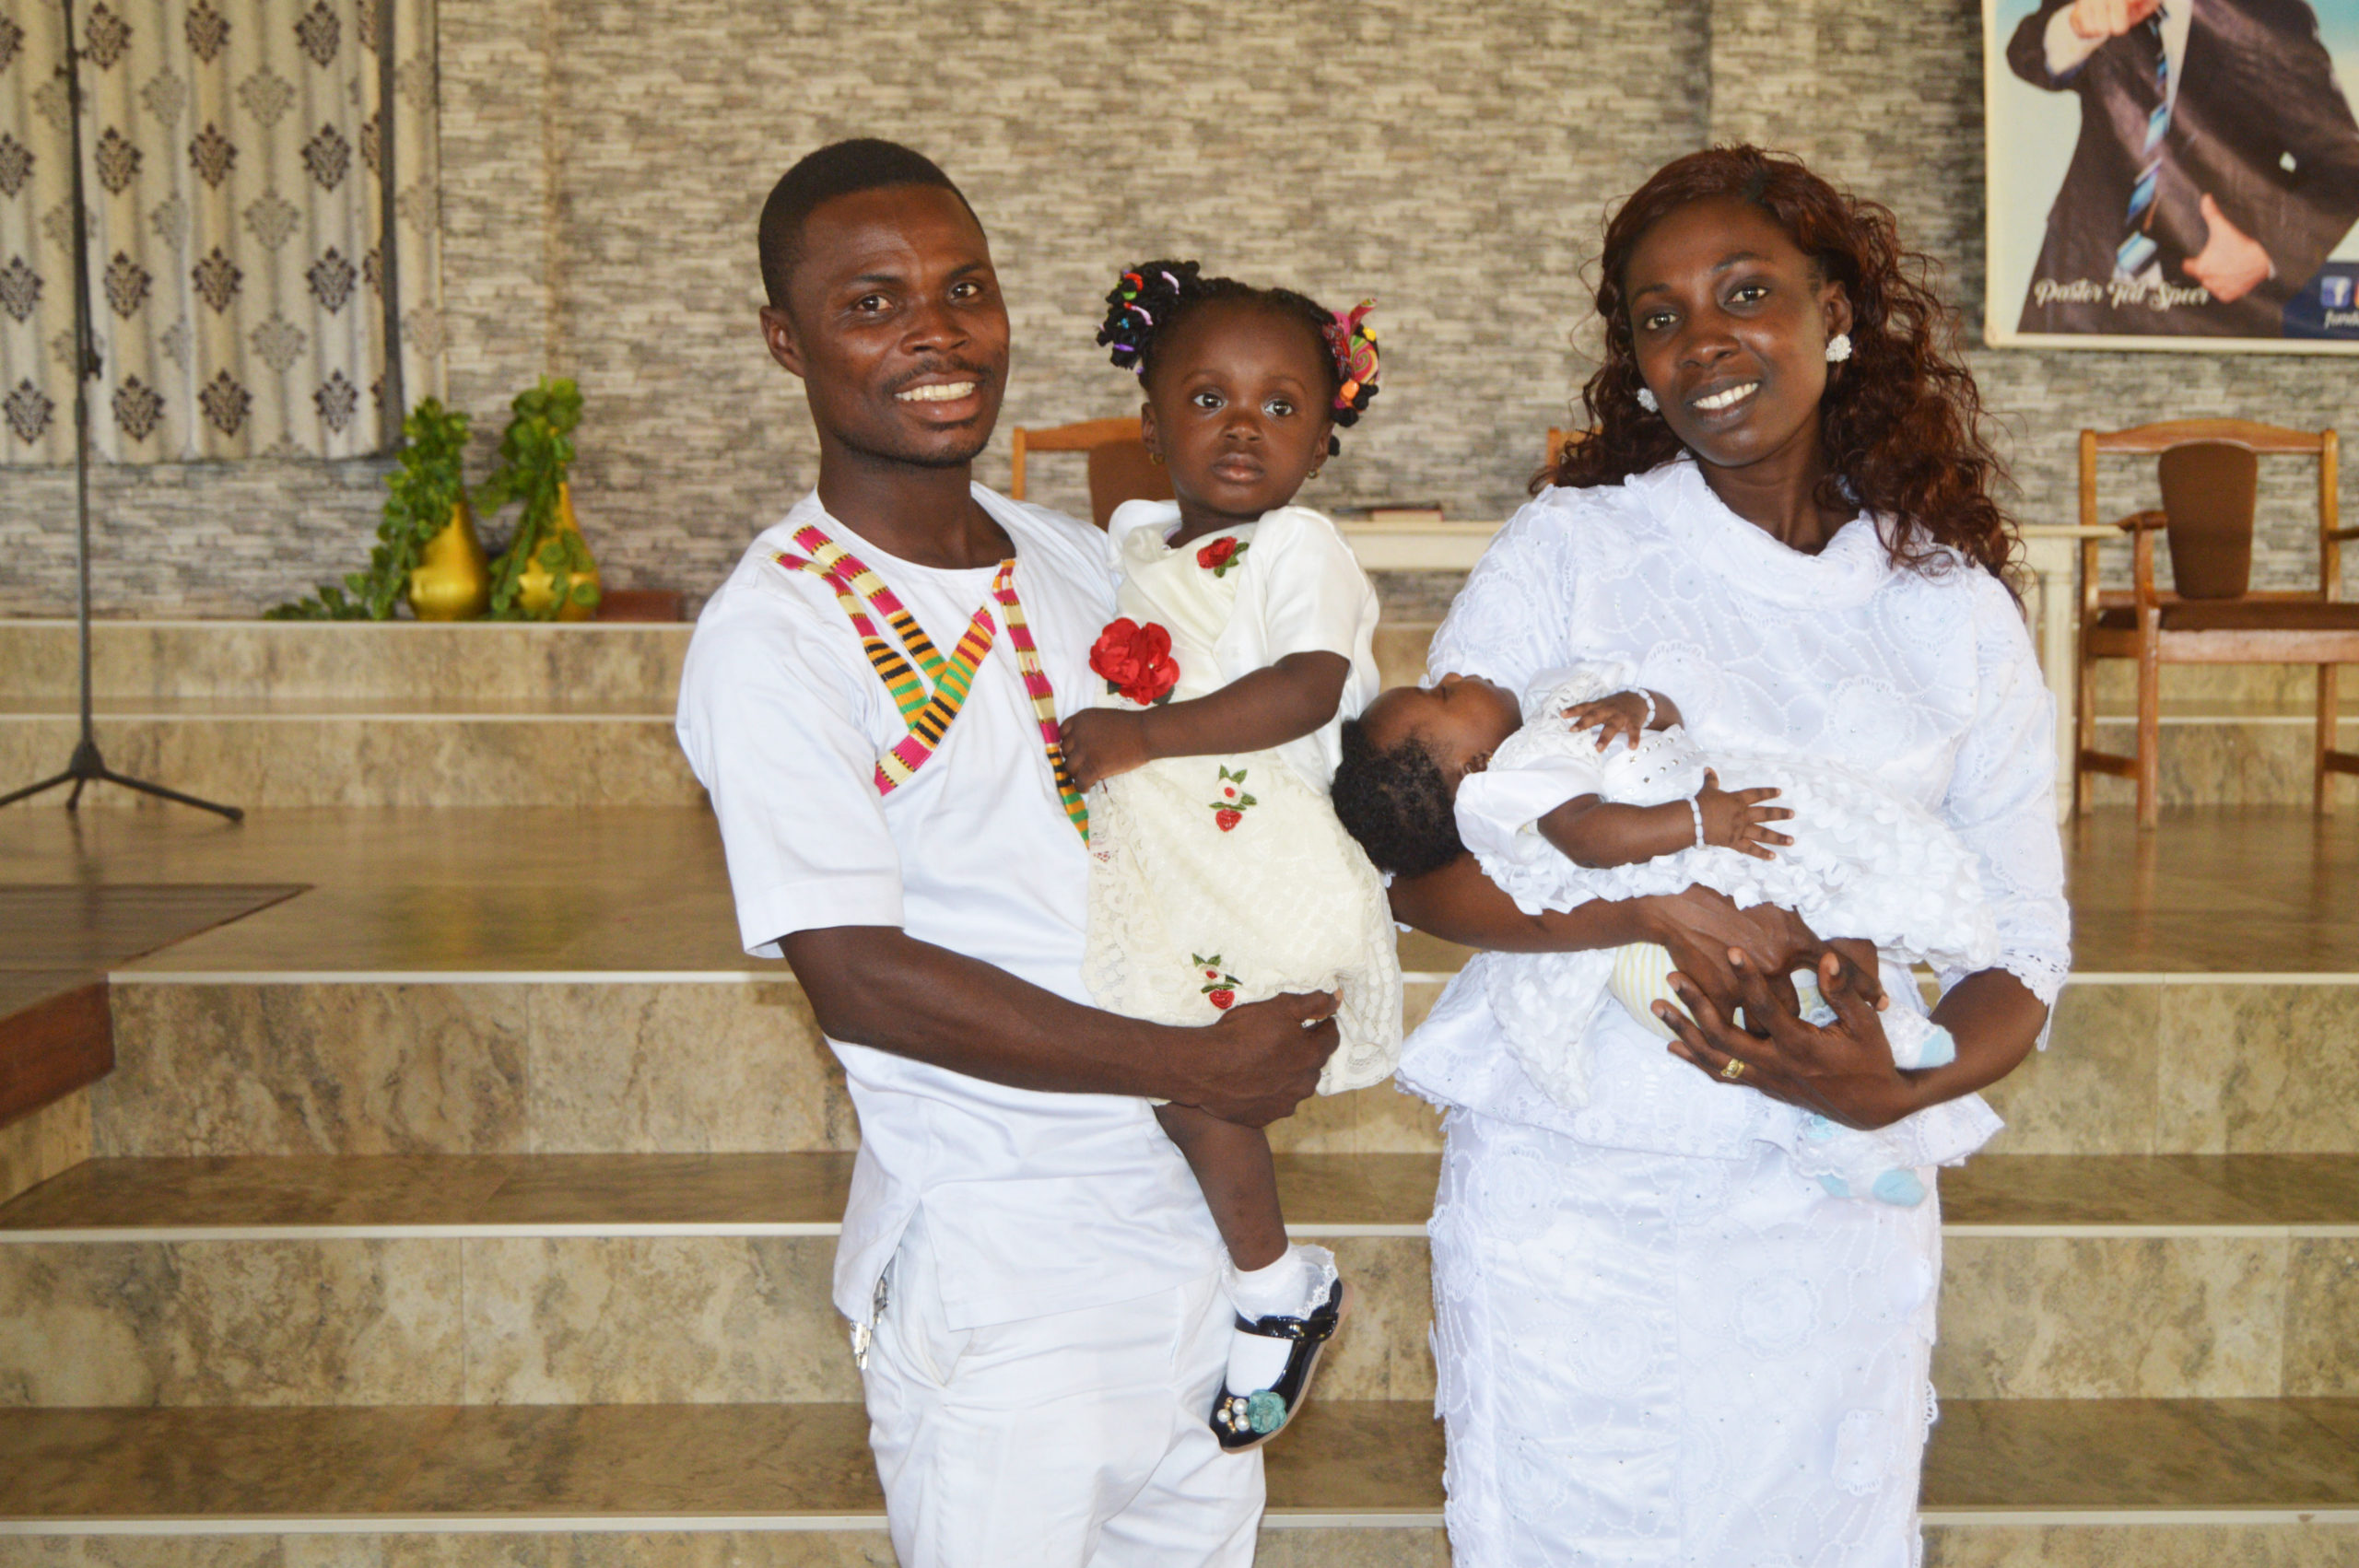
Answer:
(569, 1055)
(445, 751)
(626, 664)
(2066, 1483)
(607, 1280)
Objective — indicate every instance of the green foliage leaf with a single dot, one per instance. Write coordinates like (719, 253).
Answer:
(425, 485)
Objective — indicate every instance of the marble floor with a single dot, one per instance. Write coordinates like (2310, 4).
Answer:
(642, 890)
(1365, 1460)
(1359, 1193)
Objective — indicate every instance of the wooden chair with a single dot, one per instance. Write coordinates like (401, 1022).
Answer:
(2208, 470)
(1120, 469)
(1558, 441)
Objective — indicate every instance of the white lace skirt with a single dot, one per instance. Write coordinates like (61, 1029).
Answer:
(1661, 1359)
(1215, 881)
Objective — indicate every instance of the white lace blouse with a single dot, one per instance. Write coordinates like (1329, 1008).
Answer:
(1926, 683)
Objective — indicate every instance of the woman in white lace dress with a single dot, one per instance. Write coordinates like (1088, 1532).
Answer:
(1659, 1341)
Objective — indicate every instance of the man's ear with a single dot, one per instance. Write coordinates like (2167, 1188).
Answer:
(1147, 432)
(778, 336)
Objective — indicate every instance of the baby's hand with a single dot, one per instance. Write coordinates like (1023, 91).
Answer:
(1623, 714)
(1733, 819)
(1101, 741)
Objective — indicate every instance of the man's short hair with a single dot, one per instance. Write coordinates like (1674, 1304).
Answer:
(840, 170)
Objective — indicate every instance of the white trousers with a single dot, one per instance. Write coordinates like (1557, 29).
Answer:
(1660, 1360)
(1077, 1440)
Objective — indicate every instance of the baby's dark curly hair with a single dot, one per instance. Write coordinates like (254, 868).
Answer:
(1396, 804)
(1154, 297)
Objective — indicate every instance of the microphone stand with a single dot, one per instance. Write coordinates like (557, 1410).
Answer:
(87, 765)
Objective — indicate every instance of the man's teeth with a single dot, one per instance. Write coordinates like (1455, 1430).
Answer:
(948, 392)
(1725, 399)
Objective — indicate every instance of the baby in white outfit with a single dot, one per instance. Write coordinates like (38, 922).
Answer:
(1593, 790)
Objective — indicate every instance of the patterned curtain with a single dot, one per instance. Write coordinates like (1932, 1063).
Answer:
(230, 168)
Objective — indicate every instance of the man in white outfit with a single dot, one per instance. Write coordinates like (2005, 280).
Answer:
(1031, 1276)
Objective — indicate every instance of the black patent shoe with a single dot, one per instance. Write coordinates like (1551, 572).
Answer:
(1247, 1421)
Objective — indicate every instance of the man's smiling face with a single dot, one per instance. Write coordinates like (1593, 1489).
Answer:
(895, 324)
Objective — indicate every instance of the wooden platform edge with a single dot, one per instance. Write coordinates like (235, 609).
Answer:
(53, 1047)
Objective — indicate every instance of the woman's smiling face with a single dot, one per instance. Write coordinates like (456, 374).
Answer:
(1729, 321)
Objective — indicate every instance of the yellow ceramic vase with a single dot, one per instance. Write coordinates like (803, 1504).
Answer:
(533, 584)
(451, 580)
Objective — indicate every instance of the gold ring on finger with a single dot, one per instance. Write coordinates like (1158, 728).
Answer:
(1733, 1071)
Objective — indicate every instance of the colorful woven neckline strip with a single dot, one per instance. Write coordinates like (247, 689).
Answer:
(1044, 698)
(930, 703)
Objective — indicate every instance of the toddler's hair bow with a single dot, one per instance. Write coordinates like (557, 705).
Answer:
(1353, 342)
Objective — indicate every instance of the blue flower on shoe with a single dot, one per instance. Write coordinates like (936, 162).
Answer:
(1266, 1411)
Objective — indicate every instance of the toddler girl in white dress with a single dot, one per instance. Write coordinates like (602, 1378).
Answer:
(1218, 872)
(1594, 790)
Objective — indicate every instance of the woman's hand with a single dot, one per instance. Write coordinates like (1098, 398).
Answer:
(1101, 741)
(1701, 927)
(1843, 1072)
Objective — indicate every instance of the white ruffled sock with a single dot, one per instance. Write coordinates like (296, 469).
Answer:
(1291, 1287)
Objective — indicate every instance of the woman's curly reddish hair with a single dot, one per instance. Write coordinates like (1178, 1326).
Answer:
(1901, 420)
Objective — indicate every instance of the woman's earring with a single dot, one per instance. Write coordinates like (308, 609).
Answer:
(1839, 348)
(1647, 401)
(1154, 457)
(1312, 474)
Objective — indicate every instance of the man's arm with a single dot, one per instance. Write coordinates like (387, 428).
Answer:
(877, 986)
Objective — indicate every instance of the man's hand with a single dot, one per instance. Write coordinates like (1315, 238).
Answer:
(1101, 741)
(2232, 263)
(2110, 18)
(1262, 1059)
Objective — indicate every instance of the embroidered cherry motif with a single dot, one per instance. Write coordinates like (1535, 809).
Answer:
(1230, 809)
(1220, 989)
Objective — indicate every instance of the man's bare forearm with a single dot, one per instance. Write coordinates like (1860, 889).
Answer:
(878, 986)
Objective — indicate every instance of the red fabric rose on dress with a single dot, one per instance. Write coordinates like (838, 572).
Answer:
(1135, 661)
(1221, 554)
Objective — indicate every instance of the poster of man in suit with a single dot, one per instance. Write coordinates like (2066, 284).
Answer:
(2173, 173)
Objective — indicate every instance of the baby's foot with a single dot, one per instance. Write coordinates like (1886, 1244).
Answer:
(1286, 1315)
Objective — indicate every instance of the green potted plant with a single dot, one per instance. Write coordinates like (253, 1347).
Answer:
(425, 517)
(547, 572)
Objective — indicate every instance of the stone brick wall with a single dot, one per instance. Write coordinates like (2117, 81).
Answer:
(605, 159)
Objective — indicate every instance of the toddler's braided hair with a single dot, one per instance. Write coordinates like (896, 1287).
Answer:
(1396, 804)
(1153, 297)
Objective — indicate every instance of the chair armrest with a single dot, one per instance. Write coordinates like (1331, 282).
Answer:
(2137, 523)
(2342, 536)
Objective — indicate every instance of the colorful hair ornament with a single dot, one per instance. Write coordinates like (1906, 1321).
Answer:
(1353, 342)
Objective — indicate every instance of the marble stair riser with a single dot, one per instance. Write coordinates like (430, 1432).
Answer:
(2224, 762)
(368, 1068)
(343, 660)
(532, 1068)
(602, 1320)
(363, 761)
(1414, 1544)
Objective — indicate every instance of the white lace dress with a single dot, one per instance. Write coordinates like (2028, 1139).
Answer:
(1658, 1339)
(1866, 862)
(1219, 880)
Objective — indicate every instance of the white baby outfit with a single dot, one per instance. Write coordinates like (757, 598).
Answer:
(1219, 880)
(1866, 862)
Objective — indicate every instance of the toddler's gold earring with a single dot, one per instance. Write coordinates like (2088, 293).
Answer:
(1312, 474)
(1154, 457)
